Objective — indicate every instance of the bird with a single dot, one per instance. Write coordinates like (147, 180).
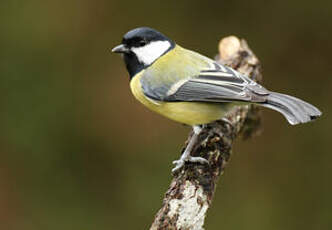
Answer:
(194, 90)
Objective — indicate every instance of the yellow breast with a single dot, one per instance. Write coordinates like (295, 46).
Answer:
(190, 113)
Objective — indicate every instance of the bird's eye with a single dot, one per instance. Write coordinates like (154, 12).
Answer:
(142, 43)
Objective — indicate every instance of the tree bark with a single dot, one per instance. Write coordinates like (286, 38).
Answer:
(191, 191)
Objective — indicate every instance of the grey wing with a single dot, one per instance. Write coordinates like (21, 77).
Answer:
(223, 84)
(218, 84)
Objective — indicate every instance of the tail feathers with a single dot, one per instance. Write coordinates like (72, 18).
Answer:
(293, 109)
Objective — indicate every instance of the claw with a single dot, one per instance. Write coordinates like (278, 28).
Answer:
(181, 162)
(176, 162)
(200, 160)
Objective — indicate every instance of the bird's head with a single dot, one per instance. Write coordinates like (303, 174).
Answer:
(141, 47)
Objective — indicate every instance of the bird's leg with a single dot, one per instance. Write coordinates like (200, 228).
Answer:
(185, 157)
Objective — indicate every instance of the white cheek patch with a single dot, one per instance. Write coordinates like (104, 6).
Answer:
(149, 53)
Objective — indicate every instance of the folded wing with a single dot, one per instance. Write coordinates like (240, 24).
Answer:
(220, 84)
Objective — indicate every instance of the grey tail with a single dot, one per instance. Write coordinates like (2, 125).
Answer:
(293, 109)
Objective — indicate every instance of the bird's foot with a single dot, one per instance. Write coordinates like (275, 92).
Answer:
(181, 162)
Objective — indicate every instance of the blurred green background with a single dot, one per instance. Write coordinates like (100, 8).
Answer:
(78, 152)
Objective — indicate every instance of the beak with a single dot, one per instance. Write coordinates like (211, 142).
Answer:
(120, 49)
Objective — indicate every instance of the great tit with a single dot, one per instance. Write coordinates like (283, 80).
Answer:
(192, 89)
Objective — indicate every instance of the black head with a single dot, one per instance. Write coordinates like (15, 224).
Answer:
(141, 47)
(141, 36)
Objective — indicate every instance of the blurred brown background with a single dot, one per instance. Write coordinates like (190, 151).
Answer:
(78, 152)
